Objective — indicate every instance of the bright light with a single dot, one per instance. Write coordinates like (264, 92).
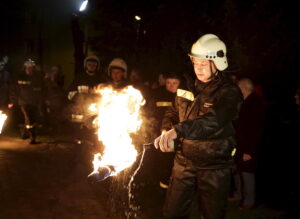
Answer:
(83, 5)
(138, 18)
(3, 117)
(119, 116)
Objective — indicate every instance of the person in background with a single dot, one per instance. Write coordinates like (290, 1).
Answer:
(56, 75)
(30, 88)
(81, 95)
(55, 97)
(249, 129)
(7, 97)
(160, 83)
(203, 164)
(117, 72)
(165, 98)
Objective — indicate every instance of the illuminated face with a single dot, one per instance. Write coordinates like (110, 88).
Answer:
(91, 66)
(203, 69)
(117, 74)
(172, 84)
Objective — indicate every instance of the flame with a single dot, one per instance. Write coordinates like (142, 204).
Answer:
(118, 117)
(3, 117)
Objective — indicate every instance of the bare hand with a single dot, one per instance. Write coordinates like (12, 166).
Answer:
(10, 105)
(165, 140)
(246, 157)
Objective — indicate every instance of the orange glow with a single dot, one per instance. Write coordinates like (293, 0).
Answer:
(118, 117)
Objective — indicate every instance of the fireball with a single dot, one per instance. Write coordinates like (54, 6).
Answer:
(118, 117)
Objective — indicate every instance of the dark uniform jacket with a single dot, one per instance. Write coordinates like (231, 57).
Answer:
(30, 89)
(205, 126)
(164, 100)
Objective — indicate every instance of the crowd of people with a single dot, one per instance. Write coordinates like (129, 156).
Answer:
(219, 122)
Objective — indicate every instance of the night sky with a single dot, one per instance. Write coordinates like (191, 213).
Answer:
(260, 35)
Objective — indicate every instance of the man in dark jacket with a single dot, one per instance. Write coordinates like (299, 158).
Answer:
(206, 133)
(117, 72)
(249, 127)
(29, 91)
(81, 95)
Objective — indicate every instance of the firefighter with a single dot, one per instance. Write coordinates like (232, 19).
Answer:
(117, 72)
(82, 95)
(165, 98)
(29, 92)
(203, 165)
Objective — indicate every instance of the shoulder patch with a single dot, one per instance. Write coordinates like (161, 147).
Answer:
(163, 104)
(185, 94)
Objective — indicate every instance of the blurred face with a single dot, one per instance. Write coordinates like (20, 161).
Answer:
(161, 80)
(203, 69)
(29, 70)
(134, 76)
(91, 66)
(117, 74)
(172, 84)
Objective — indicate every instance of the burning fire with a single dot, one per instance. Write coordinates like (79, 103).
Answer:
(118, 117)
(3, 117)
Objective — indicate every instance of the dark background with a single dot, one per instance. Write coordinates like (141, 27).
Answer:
(261, 35)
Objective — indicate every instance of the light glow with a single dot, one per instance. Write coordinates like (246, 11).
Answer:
(118, 117)
(3, 117)
(83, 5)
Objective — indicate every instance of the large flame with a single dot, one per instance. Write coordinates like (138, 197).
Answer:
(3, 117)
(118, 117)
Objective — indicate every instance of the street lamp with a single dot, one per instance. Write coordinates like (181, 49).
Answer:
(138, 18)
(83, 5)
(138, 21)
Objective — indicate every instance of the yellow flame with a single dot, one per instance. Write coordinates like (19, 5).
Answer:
(118, 116)
(3, 117)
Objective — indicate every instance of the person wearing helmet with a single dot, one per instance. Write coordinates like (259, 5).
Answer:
(90, 78)
(117, 72)
(29, 92)
(203, 164)
(82, 94)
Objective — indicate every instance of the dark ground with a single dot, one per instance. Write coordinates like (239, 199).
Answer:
(48, 181)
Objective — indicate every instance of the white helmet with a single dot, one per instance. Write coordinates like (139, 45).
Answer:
(210, 47)
(29, 63)
(118, 63)
(92, 58)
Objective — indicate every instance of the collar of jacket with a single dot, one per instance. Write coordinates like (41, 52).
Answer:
(208, 86)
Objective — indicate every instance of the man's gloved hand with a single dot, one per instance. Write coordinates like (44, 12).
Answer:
(166, 141)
